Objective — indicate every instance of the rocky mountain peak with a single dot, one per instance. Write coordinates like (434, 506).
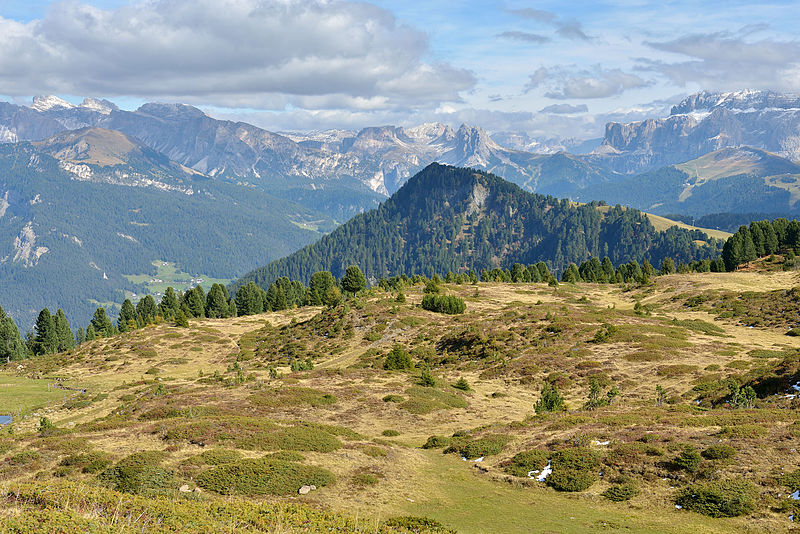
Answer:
(99, 105)
(746, 100)
(170, 111)
(47, 102)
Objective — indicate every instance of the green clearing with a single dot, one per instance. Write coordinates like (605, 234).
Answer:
(18, 394)
(168, 274)
(472, 503)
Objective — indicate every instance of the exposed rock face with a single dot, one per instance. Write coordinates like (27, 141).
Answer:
(25, 249)
(378, 159)
(703, 123)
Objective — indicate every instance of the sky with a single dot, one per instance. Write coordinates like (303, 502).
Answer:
(548, 69)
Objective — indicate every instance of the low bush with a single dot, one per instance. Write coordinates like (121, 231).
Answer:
(393, 398)
(524, 462)
(219, 456)
(443, 304)
(424, 400)
(265, 476)
(416, 525)
(436, 442)
(719, 452)
(90, 462)
(139, 473)
(727, 498)
(621, 492)
(485, 446)
(291, 396)
(390, 433)
(574, 469)
(688, 460)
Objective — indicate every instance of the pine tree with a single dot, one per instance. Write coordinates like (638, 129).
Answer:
(249, 300)
(12, 347)
(146, 310)
(169, 306)
(80, 335)
(318, 287)
(90, 333)
(196, 301)
(127, 316)
(354, 280)
(63, 332)
(101, 325)
(667, 266)
(217, 302)
(45, 340)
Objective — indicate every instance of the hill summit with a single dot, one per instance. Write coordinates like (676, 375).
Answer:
(457, 219)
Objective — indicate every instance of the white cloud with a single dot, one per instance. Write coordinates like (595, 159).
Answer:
(568, 82)
(729, 61)
(235, 53)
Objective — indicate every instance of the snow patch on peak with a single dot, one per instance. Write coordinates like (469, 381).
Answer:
(46, 102)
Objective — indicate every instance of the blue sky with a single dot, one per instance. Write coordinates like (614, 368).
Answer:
(550, 69)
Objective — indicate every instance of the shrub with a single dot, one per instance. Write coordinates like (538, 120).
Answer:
(291, 396)
(397, 359)
(390, 433)
(436, 442)
(420, 525)
(485, 446)
(728, 498)
(550, 400)
(262, 477)
(524, 462)
(462, 384)
(791, 480)
(570, 480)
(443, 304)
(621, 492)
(719, 452)
(393, 398)
(688, 460)
(90, 462)
(573, 469)
(220, 456)
(364, 479)
(424, 400)
(794, 332)
(426, 378)
(139, 473)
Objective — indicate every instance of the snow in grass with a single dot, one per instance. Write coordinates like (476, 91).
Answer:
(541, 476)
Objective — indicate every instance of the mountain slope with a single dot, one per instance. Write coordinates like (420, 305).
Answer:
(454, 219)
(729, 180)
(324, 169)
(703, 123)
(69, 231)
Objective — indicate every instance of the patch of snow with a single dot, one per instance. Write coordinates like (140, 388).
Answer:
(601, 443)
(678, 507)
(35, 200)
(475, 460)
(542, 475)
(796, 495)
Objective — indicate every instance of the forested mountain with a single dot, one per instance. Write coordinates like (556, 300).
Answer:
(70, 228)
(729, 180)
(456, 219)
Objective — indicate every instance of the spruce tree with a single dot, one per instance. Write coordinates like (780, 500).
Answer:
(146, 310)
(318, 287)
(63, 332)
(101, 325)
(169, 306)
(12, 347)
(127, 316)
(354, 280)
(196, 301)
(45, 340)
(217, 302)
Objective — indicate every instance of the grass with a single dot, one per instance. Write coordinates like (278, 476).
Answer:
(19, 395)
(168, 274)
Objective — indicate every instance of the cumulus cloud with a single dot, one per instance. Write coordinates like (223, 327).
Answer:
(730, 61)
(565, 109)
(234, 53)
(565, 83)
(525, 37)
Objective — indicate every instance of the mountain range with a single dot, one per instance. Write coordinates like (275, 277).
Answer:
(107, 191)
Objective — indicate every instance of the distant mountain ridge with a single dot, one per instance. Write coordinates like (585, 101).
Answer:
(703, 123)
(455, 219)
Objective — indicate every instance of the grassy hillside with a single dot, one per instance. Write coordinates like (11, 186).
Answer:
(221, 408)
